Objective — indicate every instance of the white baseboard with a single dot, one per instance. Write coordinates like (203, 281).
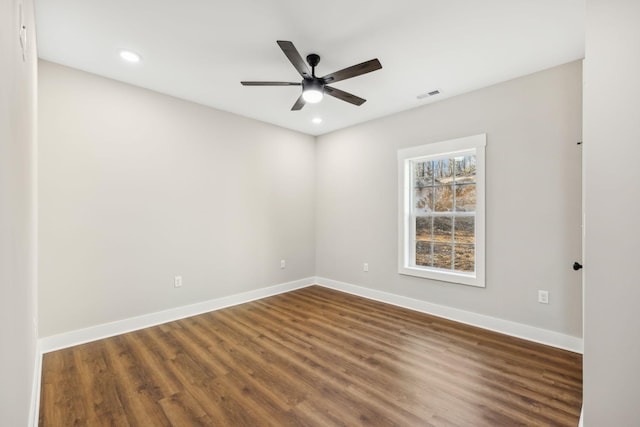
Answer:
(581, 422)
(34, 407)
(93, 333)
(519, 330)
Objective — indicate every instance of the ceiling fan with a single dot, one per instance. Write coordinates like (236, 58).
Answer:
(313, 88)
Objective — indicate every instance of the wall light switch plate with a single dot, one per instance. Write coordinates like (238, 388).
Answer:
(177, 282)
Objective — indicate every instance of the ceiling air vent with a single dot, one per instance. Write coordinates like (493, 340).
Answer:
(428, 94)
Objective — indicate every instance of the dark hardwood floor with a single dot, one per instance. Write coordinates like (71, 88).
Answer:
(312, 357)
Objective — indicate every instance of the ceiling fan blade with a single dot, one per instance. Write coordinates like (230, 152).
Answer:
(353, 71)
(344, 96)
(294, 56)
(299, 104)
(270, 84)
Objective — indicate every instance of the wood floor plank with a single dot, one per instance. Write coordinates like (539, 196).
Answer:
(183, 410)
(62, 391)
(311, 357)
(137, 395)
(102, 403)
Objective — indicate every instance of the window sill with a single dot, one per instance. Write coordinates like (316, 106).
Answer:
(443, 276)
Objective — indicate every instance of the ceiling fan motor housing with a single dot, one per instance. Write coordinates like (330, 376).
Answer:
(313, 59)
(313, 84)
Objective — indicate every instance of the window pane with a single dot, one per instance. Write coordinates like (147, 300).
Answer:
(443, 197)
(465, 258)
(423, 173)
(466, 198)
(423, 199)
(465, 229)
(442, 227)
(424, 253)
(423, 228)
(442, 255)
(465, 169)
(443, 171)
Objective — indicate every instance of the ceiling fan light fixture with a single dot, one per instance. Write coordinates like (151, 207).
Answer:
(312, 96)
(312, 91)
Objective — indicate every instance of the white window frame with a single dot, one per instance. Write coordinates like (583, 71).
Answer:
(406, 234)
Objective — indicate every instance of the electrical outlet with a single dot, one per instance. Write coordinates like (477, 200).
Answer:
(283, 264)
(543, 297)
(365, 267)
(177, 282)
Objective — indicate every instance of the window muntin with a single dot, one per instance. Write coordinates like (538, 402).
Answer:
(441, 218)
(443, 200)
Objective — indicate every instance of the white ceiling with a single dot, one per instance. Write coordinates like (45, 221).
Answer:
(200, 50)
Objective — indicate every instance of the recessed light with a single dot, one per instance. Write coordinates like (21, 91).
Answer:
(317, 120)
(130, 56)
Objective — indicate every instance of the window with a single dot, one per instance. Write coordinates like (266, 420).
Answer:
(441, 211)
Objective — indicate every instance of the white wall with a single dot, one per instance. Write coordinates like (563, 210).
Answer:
(612, 147)
(137, 187)
(18, 333)
(533, 199)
